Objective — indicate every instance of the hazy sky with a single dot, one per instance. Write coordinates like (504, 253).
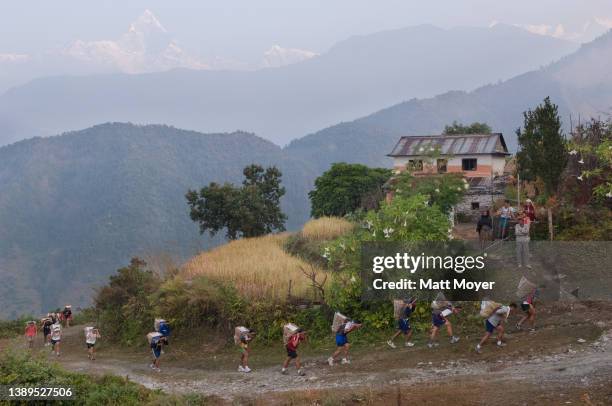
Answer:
(243, 29)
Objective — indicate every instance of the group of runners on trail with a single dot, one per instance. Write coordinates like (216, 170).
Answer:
(293, 336)
(52, 329)
(496, 317)
(495, 314)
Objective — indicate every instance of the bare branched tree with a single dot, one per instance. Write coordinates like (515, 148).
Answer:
(317, 284)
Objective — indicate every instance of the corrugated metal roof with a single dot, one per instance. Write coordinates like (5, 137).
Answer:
(469, 144)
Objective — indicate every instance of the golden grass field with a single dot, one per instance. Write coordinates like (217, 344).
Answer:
(260, 268)
(326, 228)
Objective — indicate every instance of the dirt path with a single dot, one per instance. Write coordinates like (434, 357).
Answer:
(465, 231)
(569, 356)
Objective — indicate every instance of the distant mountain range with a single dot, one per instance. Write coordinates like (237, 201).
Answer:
(355, 77)
(146, 46)
(581, 84)
(75, 207)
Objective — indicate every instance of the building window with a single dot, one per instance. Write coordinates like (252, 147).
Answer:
(442, 163)
(469, 164)
(415, 165)
(475, 205)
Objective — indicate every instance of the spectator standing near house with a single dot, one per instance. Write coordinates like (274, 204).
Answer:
(521, 231)
(505, 213)
(529, 210)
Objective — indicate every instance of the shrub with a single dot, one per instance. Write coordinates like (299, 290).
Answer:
(443, 190)
(404, 219)
(123, 307)
(588, 224)
(345, 188)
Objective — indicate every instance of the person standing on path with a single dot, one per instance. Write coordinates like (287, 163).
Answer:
(506, 213)
(521, 232)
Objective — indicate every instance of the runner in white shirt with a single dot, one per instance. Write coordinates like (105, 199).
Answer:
(90, 340)
(496, 322)
(56, 337)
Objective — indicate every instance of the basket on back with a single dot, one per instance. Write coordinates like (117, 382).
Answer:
(289, 329)
(339, 319)
(240, 332)
(153, 336)
(440, 302)
(488, 307)
(157, 324)
(398, 308)
(525, 288)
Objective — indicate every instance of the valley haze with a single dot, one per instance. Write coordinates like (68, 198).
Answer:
(142, 119)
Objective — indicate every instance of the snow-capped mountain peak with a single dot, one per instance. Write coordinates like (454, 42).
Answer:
(146, 47)
(147, 22)
(278, 56)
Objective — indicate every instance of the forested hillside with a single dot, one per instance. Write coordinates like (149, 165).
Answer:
(74, 207)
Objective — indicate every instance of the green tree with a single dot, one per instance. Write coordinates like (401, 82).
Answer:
(123, 306)
(460, 129)
(344, 188)
(542, 146)
(248, 211)
(589, 167)
(443, 190)
(404, 219)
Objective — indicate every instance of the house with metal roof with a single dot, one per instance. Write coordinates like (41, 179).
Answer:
(474, 155)
(480, 158)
